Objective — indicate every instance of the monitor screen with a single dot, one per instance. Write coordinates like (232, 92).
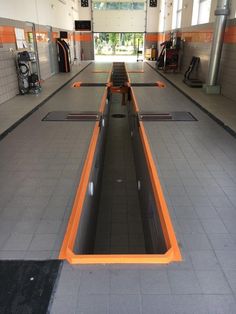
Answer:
(63, 34)
(82, 25)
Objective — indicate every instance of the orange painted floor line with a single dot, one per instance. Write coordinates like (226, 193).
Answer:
(67, 249)
(135, 71)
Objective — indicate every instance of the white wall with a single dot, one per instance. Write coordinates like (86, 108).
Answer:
(119, 21)
(187, 13)
(152, 19)
(85, 13)
(44, 12)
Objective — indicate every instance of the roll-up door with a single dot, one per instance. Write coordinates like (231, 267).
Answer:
(119, 16)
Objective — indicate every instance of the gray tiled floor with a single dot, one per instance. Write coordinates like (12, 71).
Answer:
(13, 110)
(196, 164)
(40, 166)
(219, 106)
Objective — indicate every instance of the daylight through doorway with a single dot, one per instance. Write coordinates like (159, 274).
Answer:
(118, 46)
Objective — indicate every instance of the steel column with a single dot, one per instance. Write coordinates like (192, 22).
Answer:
(221, 12)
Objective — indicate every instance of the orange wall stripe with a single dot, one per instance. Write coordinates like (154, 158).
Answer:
(7, 34)
(83, 37)
(151, 37)
(155, 37)
(230, 35)
(200, 36)
(55, 35)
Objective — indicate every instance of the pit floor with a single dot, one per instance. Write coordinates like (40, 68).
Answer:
(40, 167)
(119, 226)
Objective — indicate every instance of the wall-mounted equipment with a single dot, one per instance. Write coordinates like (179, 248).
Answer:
(63, 35)
(153, 3)
(82, 25)
(27, 70)
(84, 3)
(63, 50)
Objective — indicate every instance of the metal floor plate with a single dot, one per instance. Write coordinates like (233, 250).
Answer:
(166, 116)
(72, 116)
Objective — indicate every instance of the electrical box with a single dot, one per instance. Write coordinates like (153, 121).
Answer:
(84, 3)
(153, 3)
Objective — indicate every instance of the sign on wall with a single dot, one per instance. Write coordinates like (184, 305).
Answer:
(20, 38)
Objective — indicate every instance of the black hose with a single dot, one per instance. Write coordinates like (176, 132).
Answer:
(21, 69)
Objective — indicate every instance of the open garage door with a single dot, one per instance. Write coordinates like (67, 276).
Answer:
(119, 16)
(118, 46)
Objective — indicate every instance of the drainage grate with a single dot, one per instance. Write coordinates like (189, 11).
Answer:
(118, 115)
(166, 116)
(72, 116)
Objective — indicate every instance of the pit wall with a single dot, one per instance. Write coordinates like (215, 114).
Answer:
(196, 41)
(81, 47)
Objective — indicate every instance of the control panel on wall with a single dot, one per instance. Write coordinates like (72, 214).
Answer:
(84, 3)
(153, 3)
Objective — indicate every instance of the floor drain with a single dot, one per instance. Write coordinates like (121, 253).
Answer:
(118, 115)
(119, 180)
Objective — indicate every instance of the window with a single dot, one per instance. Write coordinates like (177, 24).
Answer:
(201, 11)
(125, 6)
(138, 5)
(177, 13)
(113, 6)
(97, 5)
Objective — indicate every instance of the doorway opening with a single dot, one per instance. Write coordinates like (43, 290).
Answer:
(118, 46)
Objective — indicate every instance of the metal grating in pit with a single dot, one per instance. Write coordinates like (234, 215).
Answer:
(166, 116)
(72, 116)
(118, 115)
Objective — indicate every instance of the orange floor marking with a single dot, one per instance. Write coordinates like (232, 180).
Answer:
(77, 84)
(67, 249)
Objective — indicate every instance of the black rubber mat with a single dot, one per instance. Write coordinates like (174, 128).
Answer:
(26, 286)
(72, 116)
